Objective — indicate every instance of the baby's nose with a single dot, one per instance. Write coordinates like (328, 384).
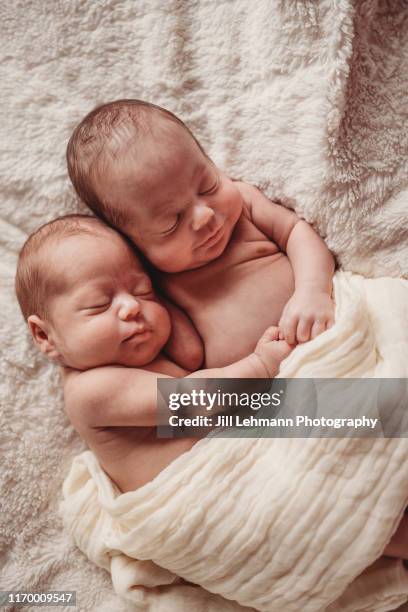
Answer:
(201, 216)
(129, 308)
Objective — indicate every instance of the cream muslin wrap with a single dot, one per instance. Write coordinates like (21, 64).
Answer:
(272, 524)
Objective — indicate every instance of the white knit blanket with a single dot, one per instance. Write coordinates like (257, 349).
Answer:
(274, 524)
(305, 99)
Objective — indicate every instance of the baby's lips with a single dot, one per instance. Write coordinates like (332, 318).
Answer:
(139, 330)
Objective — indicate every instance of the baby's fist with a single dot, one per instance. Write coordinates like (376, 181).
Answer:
(271, 351)
(306, 315)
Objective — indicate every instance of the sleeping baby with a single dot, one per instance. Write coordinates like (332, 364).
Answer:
(234, 261)
(90, 307)
(230, 258)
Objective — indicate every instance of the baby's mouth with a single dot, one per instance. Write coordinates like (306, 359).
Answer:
(211, 239)
(139, 335)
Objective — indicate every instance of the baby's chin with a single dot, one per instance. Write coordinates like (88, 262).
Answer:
(211, 256)
(139, 361)
(136, 359)
(144, 354)
(208, 256)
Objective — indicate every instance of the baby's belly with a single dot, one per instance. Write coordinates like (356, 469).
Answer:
(231, 323)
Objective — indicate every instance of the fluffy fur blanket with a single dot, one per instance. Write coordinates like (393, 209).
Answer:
(270, 523)
(304, 99)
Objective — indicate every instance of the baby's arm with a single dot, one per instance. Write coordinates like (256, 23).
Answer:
(123, 397)
(310, 310)
(184, 346)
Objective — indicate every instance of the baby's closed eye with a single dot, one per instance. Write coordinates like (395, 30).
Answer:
(96, 307)
(171, 226)
(210, 190)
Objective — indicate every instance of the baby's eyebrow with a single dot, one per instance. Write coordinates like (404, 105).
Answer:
(160, 212)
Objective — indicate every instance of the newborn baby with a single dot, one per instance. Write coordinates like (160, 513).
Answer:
(234, 261)
(91, 308)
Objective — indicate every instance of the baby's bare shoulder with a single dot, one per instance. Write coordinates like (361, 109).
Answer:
(84, 385)
(248, 192)
(253, 199)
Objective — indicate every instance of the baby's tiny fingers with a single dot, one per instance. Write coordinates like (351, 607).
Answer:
(317, 329)
(303, 330)
(271, 333)
(289, 330)
(330, 323)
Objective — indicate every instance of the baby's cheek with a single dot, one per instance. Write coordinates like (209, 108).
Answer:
(160, 258)
(233, 200)
(99, 333)
(160, 319)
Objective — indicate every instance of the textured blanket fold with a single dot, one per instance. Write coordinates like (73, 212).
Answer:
(272, 524)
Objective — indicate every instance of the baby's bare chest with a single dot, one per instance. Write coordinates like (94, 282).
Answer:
(235, 298)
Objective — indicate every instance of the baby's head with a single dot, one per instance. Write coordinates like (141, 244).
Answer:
(140, 169)
(86, 298)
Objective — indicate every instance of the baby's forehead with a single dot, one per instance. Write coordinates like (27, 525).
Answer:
(145, 181)
(161, 147)
(92, 256)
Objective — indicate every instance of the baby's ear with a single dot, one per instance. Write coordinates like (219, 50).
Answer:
(41, 334)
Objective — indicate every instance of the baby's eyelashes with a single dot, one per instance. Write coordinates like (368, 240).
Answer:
(211, 190)
(175, 221)
(95, 309)
(173, 226)
(144, 296)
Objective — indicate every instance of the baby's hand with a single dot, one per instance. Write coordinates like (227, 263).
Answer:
(271, 351)
(306, 315)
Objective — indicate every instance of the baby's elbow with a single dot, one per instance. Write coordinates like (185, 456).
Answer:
(288, 234)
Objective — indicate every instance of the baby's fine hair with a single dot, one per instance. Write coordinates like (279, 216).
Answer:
(36, 278)
(96, 139)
